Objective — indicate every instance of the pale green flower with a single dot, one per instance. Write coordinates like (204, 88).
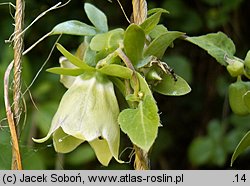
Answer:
(88, 111)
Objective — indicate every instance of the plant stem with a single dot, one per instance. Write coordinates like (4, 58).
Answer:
(18, 50)
(126, 60)
(139, 15)
(139, 11)
(141, 159)
(16, 158)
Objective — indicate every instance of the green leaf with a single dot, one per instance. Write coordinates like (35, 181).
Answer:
(107, 40)
(73, 59)
(242, 146)
(73, 28)
(141, 124)
(155, 10)
(160, 44)
(119, 84)
(219, 155)
(215, 133)
(134, 40)
(89, 57)
(97, 17)
(116, 37)
(149, 24)
(157, 31)
(144, 88)
(200, 150)
(116, 70)
(145, 61)
(106, 56)
(99, 42)
(214, 130)
(218, 45)
(168, 86)
(66, 71)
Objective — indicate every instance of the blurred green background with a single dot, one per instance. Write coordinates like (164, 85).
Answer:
(199, 131)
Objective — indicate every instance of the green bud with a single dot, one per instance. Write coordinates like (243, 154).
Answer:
(153, 75)
(236, 92)
(235, 68)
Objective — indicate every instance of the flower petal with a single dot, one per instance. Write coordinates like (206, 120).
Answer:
(52, 129)
(63, 142)
(102, 151)
(67, 81)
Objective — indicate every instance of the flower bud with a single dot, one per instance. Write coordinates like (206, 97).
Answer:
(153, 75)
(236, 68)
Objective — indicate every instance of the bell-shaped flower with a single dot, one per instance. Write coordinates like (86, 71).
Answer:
(88, 111)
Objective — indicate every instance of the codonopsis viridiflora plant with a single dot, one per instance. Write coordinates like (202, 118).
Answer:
(128, 59)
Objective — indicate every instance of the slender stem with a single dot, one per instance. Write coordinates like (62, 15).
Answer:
(139, 15)
(18, 50)
(141, 159)
(139, 11)
(128, 63)
(125, 59)
(16, 157)
(124, 13)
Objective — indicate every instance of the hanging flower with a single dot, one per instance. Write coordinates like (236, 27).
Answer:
(88, 111)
